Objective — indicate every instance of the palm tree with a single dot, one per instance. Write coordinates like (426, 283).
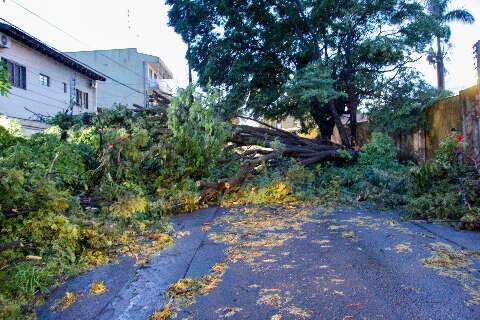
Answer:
(438, 9)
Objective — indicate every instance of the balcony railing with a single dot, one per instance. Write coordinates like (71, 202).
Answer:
(162, 85)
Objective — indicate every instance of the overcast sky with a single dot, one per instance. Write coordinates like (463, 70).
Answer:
(107, 24)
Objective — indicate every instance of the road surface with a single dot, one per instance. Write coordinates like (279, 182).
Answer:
(291, 262)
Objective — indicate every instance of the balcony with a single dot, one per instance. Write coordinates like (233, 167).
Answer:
(160, 85)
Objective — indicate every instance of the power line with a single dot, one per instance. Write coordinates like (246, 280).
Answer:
(36, 101)
(101, 73)
(72, 36)
(34, 71)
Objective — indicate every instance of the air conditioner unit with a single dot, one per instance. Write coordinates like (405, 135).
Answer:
(4, 41)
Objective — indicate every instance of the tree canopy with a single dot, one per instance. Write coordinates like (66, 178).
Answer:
(315, 60)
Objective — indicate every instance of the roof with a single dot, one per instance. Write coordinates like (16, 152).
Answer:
(32, 42)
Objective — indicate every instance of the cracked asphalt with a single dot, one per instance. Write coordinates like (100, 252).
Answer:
(320, 264)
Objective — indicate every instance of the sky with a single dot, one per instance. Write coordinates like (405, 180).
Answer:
(143, 24)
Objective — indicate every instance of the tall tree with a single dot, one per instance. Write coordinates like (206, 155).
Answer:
(316, 60)
(438, 9)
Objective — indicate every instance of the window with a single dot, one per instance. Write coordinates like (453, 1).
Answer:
(17, 74)
(64, 87)
(81, 99)
(44, 80)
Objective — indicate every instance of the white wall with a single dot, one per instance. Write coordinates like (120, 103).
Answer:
(124, 65)
(36, 97)
(129, 67)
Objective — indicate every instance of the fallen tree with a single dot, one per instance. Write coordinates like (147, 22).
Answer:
(257, 146)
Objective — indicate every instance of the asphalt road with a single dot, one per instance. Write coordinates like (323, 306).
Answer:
(294, 263)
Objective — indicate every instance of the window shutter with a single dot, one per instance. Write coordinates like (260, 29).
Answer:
(23, 77)
(10, 72)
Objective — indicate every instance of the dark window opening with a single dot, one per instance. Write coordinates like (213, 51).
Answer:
(81, 99)
(64, 87)
(17, 74)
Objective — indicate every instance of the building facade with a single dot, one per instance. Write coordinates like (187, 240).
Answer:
(135, 79)
(44, 81)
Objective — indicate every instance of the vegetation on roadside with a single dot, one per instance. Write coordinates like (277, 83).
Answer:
(97, 186)
(93, 187)
(443, 189)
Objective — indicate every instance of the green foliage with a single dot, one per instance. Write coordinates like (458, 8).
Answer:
(376, 177)
(93, 187)
(299, 58)
(445, 188)
(199, 135)
(380, 152)
(4, 82)
(401, 105)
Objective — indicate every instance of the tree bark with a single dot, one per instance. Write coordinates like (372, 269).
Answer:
(338, 123)
(190, 78)
(324, 122)
(440, 66)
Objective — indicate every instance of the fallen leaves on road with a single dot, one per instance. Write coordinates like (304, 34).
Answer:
(348, 234)
(63, 303)
(97, 288)
(297, 312)
(273, 297)
(445, 257)
(250, 234)
(335, 227)
(402, 248)
(321, 242)
(163, 314)
(227, 312)
(185, 291)
(455, 264)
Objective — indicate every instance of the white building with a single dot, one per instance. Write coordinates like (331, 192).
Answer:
(135, 78)
(44, 81)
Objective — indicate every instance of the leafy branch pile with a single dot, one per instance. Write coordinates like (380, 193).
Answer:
(446, 188)
(93, 187)
(96, 186)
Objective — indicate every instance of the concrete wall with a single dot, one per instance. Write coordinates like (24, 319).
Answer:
(441, 117)
(460, 112)
(38, 98)
(127, 66)
(470, 104)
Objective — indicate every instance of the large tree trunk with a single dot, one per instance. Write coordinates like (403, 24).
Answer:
(259, 146)
(440, 66)
(338, 123)
(324, 121)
